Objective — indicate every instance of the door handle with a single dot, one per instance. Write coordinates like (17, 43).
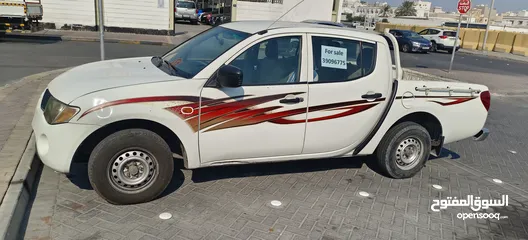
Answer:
(291, 100)
(371, 96)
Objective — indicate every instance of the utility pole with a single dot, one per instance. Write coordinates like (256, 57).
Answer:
(487, 26)
(101, 27)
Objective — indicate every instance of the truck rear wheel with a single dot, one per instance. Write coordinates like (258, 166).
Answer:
(404, 150)
(131, 166)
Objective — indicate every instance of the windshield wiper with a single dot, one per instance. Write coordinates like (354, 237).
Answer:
(158, 62)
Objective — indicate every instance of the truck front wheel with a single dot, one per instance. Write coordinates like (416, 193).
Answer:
(403, 150)
(131, 166)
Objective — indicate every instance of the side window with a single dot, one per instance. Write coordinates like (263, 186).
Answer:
(424, 32)
(340, 60)
(270, 62)
(433, 32)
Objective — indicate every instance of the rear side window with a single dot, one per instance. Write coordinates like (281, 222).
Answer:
(433, 32)
(450, 34)
(186, 5)
(340, 60)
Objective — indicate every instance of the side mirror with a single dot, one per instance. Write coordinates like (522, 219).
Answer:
(229, 76)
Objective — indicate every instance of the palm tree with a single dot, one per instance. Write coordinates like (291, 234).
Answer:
(406, 9)
(386, 10)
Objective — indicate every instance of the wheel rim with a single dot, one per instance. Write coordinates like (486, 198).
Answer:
(408, 153)
(132, 170)
(405, 48)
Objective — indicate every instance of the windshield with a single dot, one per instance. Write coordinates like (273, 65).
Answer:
(411, 35)
(185, 5)
(191, 57)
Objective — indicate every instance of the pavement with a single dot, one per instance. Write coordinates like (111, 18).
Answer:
(183, 31)
(320, 198)
(508, 56)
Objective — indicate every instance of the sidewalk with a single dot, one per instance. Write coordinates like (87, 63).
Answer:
(17, 103)
(184, 31)
(508, 56)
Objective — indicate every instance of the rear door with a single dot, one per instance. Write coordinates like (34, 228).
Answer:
(348, 91)
(186, 9)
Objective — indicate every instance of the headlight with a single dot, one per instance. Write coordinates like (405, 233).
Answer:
(416, 44)
(58, 112)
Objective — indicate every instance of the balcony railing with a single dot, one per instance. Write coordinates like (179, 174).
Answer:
(264, 1)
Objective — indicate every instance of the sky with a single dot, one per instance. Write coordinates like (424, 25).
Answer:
(450, 5)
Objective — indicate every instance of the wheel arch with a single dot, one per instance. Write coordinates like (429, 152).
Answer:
(83, 151)
(426, 120)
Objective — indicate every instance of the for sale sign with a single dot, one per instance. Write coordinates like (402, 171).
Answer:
(464, 6)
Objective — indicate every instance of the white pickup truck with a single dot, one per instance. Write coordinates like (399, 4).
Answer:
(249, 92)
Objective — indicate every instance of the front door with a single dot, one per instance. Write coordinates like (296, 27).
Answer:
(266, 116)
(348, 92)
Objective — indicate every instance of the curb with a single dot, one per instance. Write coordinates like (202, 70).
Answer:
(411, 75)
(17, 198)
(57, 38)
(521, 59)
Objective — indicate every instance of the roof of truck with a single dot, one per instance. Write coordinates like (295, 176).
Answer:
(257, 26)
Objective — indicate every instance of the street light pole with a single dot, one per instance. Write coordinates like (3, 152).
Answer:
(487, 26)
(101, 27)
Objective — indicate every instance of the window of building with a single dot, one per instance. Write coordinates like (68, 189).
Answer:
(340, 60)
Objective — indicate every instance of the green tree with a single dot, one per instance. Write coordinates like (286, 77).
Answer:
(406, 9)
(386, 10)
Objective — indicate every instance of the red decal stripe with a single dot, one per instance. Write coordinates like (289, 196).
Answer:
(455, 101)
(140, 100)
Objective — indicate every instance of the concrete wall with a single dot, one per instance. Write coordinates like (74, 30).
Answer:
(69, 12)
(498, 41)
(258, 11)
(309, 9)
(146, 14)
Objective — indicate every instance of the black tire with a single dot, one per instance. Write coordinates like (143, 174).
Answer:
(101, 166)
(406, 48)
(434, 47)
(390, 150)
(194, 22)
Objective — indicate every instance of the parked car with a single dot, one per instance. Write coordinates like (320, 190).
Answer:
(238, 94)
(186, 10)
(327, 23)
(441, 39)
(409, 41)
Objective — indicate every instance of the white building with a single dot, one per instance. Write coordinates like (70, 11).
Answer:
(437, 10)
(154, 16)
(523, 13)
(326, 10)
(422, 8)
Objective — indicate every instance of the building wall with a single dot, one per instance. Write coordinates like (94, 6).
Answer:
(69, 12)
(309, 9)
(258, 11)
(422, 8)
(146, 14)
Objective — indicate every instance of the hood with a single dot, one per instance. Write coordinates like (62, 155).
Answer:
(420, 40)
(97, 76)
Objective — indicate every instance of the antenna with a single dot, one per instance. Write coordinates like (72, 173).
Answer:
(284, 14)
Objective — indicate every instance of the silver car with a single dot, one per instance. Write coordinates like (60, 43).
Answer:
(186, 10)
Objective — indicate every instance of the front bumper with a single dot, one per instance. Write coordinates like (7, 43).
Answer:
(56, 144)
(482, 135)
